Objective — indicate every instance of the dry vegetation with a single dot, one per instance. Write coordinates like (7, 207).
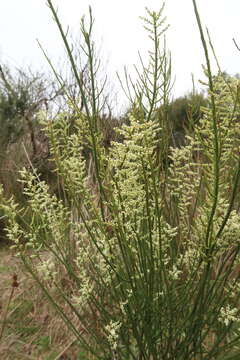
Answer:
(31, 328)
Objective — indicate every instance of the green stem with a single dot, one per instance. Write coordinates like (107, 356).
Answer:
(215, 131)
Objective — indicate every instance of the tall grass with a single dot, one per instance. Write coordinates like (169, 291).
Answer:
(144, 254)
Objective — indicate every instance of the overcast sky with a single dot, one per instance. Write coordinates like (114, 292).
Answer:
(119, 30)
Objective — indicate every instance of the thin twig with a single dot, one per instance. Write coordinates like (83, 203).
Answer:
(235, 43)
(14, 285)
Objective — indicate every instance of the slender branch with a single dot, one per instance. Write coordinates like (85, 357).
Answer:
(215, 130)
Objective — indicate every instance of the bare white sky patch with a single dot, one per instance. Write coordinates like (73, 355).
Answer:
(119, 31)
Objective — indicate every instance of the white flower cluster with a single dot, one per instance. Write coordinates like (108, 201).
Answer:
(175, 273)
(228, 139)
(50, 219)
(228, 314)
(84, 292)
(46, 270)
(112, 330)
(132, 163)
(14, 231)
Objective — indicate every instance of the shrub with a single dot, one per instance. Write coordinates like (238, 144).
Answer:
(145, 257)
(22, 95)
(184, 113)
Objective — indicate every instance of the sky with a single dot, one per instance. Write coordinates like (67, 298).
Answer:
(120, 35)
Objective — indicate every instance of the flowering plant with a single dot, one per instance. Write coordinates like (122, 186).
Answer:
(148, 250)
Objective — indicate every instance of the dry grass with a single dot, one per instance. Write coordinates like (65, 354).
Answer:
(32, 330)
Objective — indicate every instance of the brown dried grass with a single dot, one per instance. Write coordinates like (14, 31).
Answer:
(33, 329)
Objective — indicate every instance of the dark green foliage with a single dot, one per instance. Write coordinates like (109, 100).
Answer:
(185, 112)
(21, 96)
